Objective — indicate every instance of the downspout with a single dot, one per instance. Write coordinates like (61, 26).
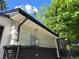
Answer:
(18, 36)
(20, 27)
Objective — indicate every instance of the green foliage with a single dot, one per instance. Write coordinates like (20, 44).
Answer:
(75, 58)
(2, 5)
(42, 12)
(63, 17)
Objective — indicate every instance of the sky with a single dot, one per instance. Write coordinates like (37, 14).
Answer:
(29, 6)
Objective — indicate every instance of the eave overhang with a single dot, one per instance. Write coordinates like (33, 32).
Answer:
(12, 14)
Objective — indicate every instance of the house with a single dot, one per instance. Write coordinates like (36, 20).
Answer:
(35, 39)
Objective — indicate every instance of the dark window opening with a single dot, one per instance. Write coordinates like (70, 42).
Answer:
(1, 31)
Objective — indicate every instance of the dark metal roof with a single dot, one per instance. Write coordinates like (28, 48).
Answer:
(32, 19)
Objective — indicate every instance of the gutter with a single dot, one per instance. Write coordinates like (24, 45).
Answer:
(19, 28)
(31, 18)
(36, 21)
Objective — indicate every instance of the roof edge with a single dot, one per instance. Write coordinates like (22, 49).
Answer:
(32, 19)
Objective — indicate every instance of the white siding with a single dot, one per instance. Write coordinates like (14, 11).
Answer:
(44, 40)
(24, 37)
(5, 37)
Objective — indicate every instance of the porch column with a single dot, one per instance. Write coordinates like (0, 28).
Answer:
(13, 36)
(58, 55)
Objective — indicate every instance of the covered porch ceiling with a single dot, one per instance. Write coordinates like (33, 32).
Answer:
(19, 16)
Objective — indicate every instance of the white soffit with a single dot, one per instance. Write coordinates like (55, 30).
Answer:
(12, 13)
(34, 26)
(16, 16)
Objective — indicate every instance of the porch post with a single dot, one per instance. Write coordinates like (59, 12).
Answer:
(13, 36)
(57, 46)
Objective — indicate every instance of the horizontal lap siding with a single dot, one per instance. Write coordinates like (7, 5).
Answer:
(6, 32)
(24, 37)
(44, 40)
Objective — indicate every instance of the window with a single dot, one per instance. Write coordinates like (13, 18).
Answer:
(1, 31)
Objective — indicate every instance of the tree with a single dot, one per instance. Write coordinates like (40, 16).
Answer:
(2, 5)
(63, 18)
(42, 12)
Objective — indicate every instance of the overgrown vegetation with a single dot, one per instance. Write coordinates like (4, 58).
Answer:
(62, 16)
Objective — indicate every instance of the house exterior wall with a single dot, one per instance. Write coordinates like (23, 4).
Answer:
(43, 39)
(26, 32)
(6, 32)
